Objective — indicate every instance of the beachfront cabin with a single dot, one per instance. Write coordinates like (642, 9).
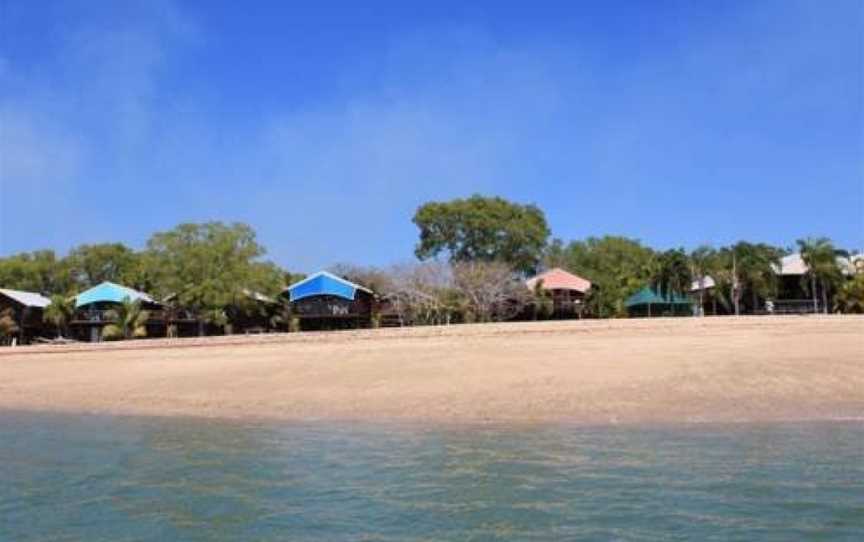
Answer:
(252, 312)
(647, 302)
(93, 311)
(325, 301)
(793, 287)
(792, 295)
(707, 300)
(566, 290)
(26, 309)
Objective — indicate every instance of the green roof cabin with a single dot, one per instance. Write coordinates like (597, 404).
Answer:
(648, 302)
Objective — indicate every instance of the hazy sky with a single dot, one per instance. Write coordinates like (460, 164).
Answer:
(325, 124)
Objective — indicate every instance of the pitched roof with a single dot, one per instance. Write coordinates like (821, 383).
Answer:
(258, 296)
(108, 292)
(558, 279)
(28, 299)
(793, 264)
(648, 295)
(706, 282)
(324, 283)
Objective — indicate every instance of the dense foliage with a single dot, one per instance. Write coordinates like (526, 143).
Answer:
(483, 229)
(616, 266)
(208, 268)
(217, 271)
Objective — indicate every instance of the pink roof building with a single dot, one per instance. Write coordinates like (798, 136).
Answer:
(558, 279)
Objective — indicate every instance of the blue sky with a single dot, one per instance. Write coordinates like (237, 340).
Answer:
(325, 124)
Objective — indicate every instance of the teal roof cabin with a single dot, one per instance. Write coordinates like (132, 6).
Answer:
(649, 302)
(109, 292)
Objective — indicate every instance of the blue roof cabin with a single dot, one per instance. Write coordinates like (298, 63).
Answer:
(325, 301)
(93, 311)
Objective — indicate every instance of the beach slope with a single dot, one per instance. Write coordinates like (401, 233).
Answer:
(622, 371)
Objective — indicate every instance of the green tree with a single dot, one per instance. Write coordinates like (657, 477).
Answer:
(128, 320)
(90, 265)
(746, 266)
(207, 267)
(39, 271)
(483, 229)
(820, 257)
(616, 267)
(59, 313)
(672, 274)
(850, 295)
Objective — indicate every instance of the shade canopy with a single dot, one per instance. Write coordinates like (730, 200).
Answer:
(648, 296)
(558, 279)
(27, 299)
(108, 292)
(324, 283)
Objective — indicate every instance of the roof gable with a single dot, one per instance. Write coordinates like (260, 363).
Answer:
(324, 283)
(648, 295)
(28, 299)
(559, 279)
(108, 292)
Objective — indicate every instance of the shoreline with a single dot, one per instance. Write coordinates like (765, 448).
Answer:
(543, 327)
(424, 424)
(691, 371)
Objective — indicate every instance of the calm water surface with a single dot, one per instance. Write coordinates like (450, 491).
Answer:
(103, 478)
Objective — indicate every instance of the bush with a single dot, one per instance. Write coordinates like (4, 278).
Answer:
(112, 332)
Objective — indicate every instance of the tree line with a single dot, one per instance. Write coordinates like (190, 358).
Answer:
(473, 255)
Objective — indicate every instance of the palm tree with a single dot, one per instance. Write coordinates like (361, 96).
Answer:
(129, 321)
(850, 296)
(742, 266)
(820, 257)
(672, 275)
(59, 313)
(758, 264)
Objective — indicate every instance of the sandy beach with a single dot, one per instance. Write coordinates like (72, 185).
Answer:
(619, 371)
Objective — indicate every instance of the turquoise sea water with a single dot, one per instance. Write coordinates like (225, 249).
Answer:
(104, 478)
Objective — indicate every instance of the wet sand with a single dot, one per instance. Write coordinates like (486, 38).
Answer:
(622, 371)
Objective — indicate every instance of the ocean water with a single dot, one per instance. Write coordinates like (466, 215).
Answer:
(105, 478)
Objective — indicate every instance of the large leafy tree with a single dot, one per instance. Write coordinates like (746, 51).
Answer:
(208, 267)
(39, 271)
(483, 229)
(820, 257)
(616, 266)
(90, 265)
(672, 273)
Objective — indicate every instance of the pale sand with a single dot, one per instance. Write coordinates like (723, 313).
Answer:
(622, 371)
